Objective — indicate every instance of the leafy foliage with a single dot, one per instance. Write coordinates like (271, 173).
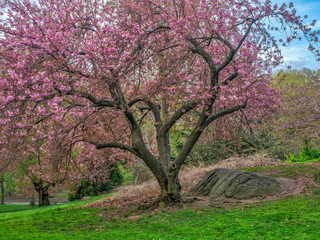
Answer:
(308, 154)
(9, 184)
(90, 188)
(299, 118)
(244, 142)
(262, 139)
(210, 153)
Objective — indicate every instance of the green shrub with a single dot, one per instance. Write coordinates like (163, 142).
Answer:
(263, 140)
(242, 144)
(308, 154)
(9, 184)
(90, 188)
(210, 153)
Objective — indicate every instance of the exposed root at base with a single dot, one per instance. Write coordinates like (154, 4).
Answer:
(162, 202)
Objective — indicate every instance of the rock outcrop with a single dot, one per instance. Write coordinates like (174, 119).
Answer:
(229, 185)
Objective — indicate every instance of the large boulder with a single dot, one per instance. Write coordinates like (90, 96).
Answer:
(228, 185)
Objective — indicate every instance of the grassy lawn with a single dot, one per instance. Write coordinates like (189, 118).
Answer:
(15, 207)
(288, 218)
(290, 171)
(292, 217)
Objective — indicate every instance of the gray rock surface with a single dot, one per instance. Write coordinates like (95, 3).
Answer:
(225, 184)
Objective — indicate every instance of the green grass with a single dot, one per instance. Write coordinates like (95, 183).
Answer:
(290, 171)
(288, 218)
(292, 217)
(61, 195)
(15, 207)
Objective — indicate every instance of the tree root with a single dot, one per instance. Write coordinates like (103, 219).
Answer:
(162, 202)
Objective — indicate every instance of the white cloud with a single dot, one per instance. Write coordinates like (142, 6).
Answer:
(298, 56)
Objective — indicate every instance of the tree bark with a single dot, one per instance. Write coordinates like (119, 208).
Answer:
(2, 190)
(170, 188)
(45, 197)
(32, 201)
(168, 155)
(174, 187)
(43, 194)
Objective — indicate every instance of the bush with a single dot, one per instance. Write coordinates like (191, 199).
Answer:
(263, 140)
(89, 188)
(308, 154)
(210, 153)
(10, 184)
(242, 144)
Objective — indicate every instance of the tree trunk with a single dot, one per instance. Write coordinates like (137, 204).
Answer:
(32, 201)
(171, 194)
(43, 193)
(2, 190)
(44, 197)
(170, 191)
(168, 155)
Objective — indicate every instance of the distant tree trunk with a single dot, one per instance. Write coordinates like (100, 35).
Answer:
(32, 201)
(2, 190)
(98, 193)
(45, 197)
(43, 194)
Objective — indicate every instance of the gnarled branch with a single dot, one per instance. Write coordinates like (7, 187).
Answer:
(224, 112)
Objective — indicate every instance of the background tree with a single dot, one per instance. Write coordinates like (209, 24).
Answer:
(10, 150)
(299, 118)
(100, 69)
(47, 164)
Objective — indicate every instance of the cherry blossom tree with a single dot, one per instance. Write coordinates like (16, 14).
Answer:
(105, 71)
(47, 165)
(9, 151)
(44, 165)
(44, 162)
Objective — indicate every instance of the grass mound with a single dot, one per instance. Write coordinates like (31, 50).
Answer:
(291, 217)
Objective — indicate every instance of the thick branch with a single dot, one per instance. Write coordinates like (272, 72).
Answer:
(134, 101)
(151, 106)
(177, 115)
(115, 145)
(230, 78)
(95, 101)
(203, 53)
(155, 109)
(232, 50)
(213, 71)
(188, 145)
(203, 122)
(161, 27)
(223, 113)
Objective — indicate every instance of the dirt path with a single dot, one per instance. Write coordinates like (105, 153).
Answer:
(26, 200)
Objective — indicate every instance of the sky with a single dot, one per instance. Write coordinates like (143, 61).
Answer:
(297, 54)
